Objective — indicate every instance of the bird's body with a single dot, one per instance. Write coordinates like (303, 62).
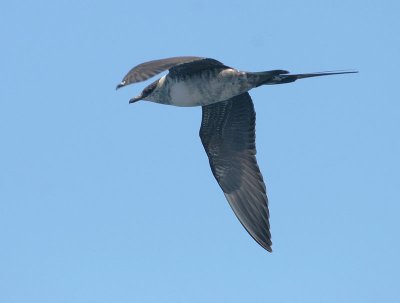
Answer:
(203, 88)
(228, 125)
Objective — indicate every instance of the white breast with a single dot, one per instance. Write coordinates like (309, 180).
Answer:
(183, 94)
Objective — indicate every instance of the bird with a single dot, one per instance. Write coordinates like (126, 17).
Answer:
(227, 129)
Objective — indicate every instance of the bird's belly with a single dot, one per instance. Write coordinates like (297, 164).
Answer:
(182, 94)
(206, 90)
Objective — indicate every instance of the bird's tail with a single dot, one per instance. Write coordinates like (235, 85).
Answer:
(282, 76)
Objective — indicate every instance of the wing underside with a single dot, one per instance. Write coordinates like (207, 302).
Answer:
(228, 136)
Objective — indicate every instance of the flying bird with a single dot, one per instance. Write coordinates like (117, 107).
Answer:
(227, 129)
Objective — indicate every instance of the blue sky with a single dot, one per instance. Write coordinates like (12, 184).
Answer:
(101, 201)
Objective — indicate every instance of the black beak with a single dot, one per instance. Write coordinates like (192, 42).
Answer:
(120, 85)
(135, 99)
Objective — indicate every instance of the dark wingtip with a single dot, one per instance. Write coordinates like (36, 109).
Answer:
(266, 245)
(264, 242)
(267, 248)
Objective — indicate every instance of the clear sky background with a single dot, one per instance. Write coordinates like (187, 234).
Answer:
(101, 201)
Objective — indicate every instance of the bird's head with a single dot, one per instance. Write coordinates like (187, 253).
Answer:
(145, 93)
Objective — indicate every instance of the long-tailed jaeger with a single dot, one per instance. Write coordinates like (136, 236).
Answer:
(228, 124)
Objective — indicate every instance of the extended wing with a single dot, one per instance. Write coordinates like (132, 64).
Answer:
(149, 69)
(228, 136)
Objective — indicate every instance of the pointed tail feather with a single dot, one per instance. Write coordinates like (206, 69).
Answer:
(287, 78)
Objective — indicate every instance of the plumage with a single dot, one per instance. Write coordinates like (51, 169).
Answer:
(149, 69)
(228, 136)
(227, 129)
(197, 66)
